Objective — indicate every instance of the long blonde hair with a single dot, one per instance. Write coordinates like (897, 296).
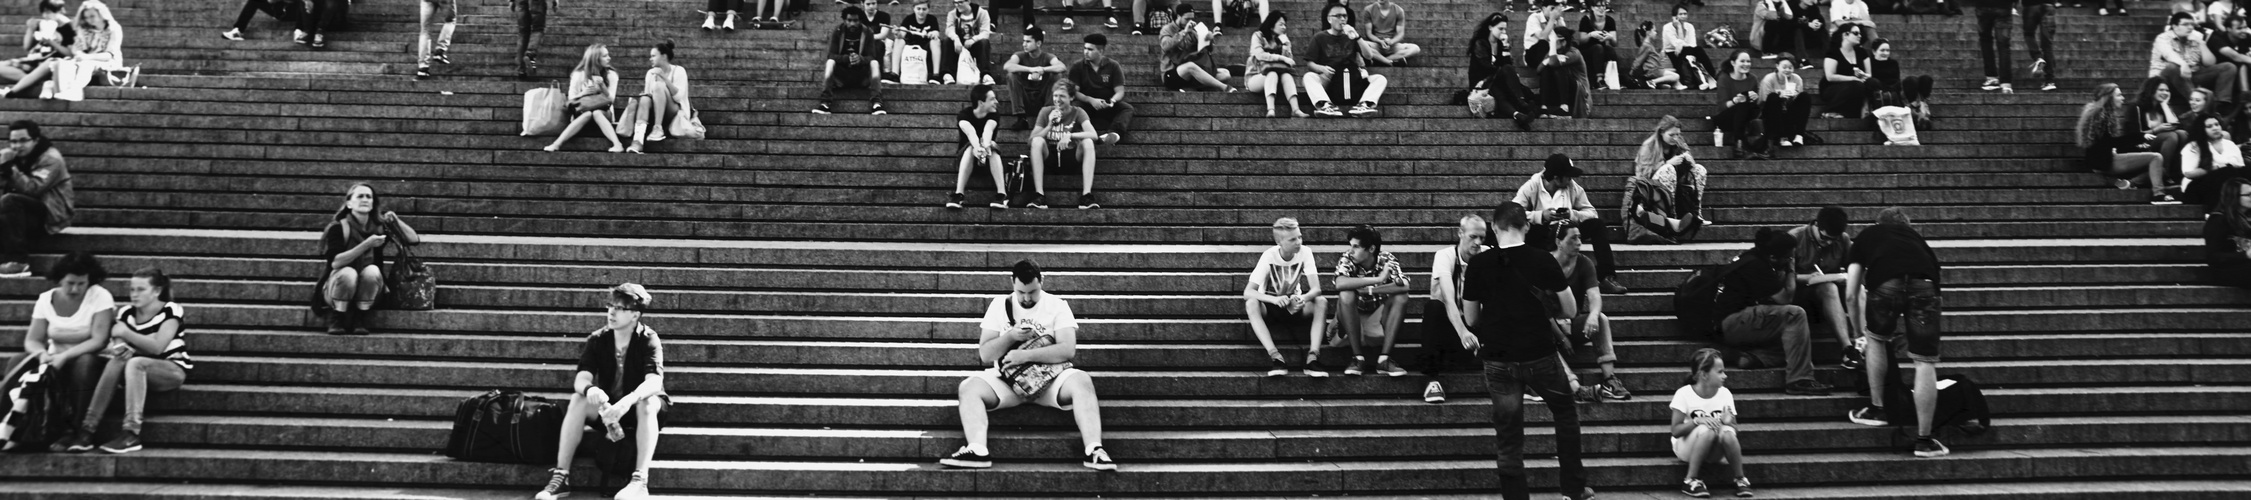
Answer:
(2099, 119)
(591, 64)
(1652, 151)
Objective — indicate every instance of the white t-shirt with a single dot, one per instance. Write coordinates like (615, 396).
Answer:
(78, 326)
(1049, 315)
(1286, 277)
(1447, 267)
(1686, 401)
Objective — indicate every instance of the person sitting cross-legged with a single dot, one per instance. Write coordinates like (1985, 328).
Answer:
(619, 385)
(1284, 296)
(1386, 26)
(1029, 341)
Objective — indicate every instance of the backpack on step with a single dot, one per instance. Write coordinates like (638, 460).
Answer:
(506, 426)
(1696, 303)
(27, 426)
(1961, 403)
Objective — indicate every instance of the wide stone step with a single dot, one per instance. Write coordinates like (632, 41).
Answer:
(2191, 490)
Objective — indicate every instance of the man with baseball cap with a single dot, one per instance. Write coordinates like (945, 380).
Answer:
(1554, 197)
(619, 383)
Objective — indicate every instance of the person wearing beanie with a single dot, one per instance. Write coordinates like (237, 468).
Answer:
(1554, 197)
(1821, 253)
(1759, 318)
(618, 388)
(1901, 274)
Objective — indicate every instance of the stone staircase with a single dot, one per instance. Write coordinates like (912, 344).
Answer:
(818, 306)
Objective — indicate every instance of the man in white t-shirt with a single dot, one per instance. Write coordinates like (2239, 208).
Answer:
(1284, 296)
(1028, 316)
(1446, 339)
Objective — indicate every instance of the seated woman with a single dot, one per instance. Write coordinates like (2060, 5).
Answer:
(1737, 92)
(1786, 105)
(1187, 46)
(1680, 44)
(98, 49)
(593, 89)
(354, 243)
(70, 324)
(2227, 235)
(1652, 67)
(2210, 159)
(2114, 142)
(1664, 198)
(1493, 70)
(1270, 54)
(1563, 79)
(148, 353)
(1844, 76)
(44, 36)
(2159, 118)
(665, 98)
(1062, 128)
(1913, 90)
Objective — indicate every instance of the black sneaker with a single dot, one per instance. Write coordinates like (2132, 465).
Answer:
(1991, 84)
(1695, 488)
(1610, 286)
(421, 72)
(1872, 416)
(1000, 202)
(963, 459)
(876, 109)
(1854, 360)
(320, 41)
(1089, 201)
(1613, 389)
(1099, 460)
(1928, 447)
(558, 484)
(1038, 200)
(1277, 369)
(821, 109)
(1313, 367)
(1587, 394)
(79, 441)
(1743, 488)
(1434, 393)
(439, 56)
(1353, 369)
(2163, 199)
(1807, 388)
(954, 201)
(126, 442)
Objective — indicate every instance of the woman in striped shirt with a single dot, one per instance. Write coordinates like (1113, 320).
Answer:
(148, 351)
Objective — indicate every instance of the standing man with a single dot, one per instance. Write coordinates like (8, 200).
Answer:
(1901, 272)
(1031, 72)
(1028, 336)
(1333, 67)
(1386, 25)
(1553, 197)
(1993, 42)
(1102, 90)
(1520, 350)
(426, 50)
(1284, 296)
(1445, 336)
(619, 386)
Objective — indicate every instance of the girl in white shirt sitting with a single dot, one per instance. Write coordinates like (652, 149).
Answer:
(2209, 160)
(1704, 424)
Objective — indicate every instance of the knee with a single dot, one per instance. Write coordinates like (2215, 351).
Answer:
(344, 280)
(649, 408)
(1701, 433)
(371, 274)
(1396, 302)
(141, 365)
(1726, 434)
(970, 388)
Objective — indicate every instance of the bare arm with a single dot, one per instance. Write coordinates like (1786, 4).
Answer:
(1256, 290)
(35, 340)
(996, 343)
(152, 343)
(1066, 348)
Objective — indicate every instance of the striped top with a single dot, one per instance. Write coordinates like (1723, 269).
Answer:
(175, 351)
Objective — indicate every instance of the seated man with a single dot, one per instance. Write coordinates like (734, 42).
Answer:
(1371, 299)
(1555, 196)
(1060, 130)
(1757, 317)
(1101, 85)
(1284, 297)
(614, 392)
(1030, 72)
(1029, 341)
(1446, 339)
(1334, 67)
(37, 199)
(1821, 254)
(1030, 12)
(1386, 25)
(853, 62)
(1589, 325)
(974, 128)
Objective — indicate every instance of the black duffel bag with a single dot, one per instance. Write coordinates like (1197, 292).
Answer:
(506, 426)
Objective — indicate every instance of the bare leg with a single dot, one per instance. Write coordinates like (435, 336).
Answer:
(1197, 74)
(1039, 165)
(1394, 314)
(37, 76)
(1699, 449)
(1833, 309)
(645, 444)
(1086, 166)
(1878, 360)
(1086, 409)
(1320, 307)
(961, 180)
(602, 121)
(1348, 319)
(1257, 312)
(574, 427)
(572, 130)
(1603, 344)
(1926, 396)
(975, 397)
(1000, 177)
(1733, 448)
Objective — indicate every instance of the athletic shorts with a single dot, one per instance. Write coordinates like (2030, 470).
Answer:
(1009, 399)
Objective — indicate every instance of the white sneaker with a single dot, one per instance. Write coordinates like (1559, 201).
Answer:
(1067, 24)
(1719, 139)
(637, 489)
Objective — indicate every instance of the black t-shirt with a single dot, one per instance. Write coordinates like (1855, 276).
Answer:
(918, 24)
(2222, 38)
(1754, 282)
(1587, 25)
(1505, 283)
(618, 373)
(1893, 251)
(969, 114)
(1099, 82)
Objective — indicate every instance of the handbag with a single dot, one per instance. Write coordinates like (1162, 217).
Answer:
(1029, 379)
(630, 117)
(595, 102)
(413, 287)
(1481, 103)
(687, 124)
(544, 111)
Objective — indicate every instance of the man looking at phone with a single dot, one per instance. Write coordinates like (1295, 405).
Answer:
(1025, 332)
(1554, 197)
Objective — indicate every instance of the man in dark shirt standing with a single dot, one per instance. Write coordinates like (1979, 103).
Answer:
(1901, 273)
(1102, 90)
(1756, 306)
(1519, 349)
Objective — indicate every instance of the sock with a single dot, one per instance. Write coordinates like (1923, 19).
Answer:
(1090, 448)
(978, 449)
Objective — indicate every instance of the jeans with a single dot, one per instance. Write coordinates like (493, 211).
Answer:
(1030, 95)
(1993, 41)
(1913, 300)
(140, 375)
(860, 76)
(1116, 119)
(2040, 37)
(1786, 118)
(23, 220)
(285, 10)
(1735, 122)
(1442, 348)
(325, 14)
(1546, 378)
(1758, 329)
